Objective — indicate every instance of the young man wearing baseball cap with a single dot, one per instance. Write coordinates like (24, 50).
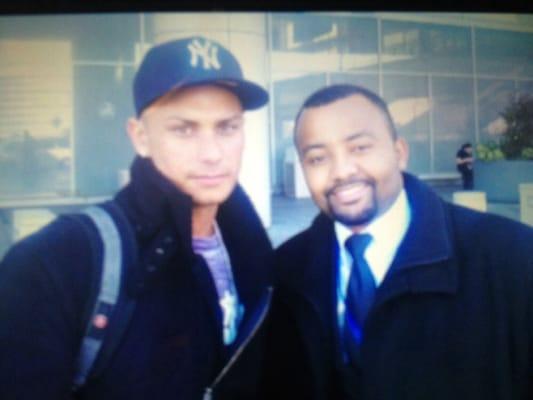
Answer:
(201, 278)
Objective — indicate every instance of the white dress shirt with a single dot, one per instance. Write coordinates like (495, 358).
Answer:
(387, 232)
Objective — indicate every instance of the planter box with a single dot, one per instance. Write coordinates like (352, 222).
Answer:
(500, 180)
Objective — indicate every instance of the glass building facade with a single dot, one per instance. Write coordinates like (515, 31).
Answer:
(66, 83)
(445, 77)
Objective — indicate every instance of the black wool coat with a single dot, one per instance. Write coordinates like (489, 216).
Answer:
(173, 347)
(453, 318)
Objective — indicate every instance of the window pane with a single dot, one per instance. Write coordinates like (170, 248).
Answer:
(289, 96)
(504, 53)
(103, 103)
(304, 33)
(358, 44)
(408, 46)
(35, 117)
(493, 97)
(341, 43)
(369, 81)
(453, 119)
(525, 87)
(409, 104)
(93, 36)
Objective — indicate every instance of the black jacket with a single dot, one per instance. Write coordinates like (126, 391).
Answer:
(173, 347)
(453, 318)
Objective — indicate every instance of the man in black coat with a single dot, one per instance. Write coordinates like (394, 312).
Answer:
(392, 293)
(464, 161)
(201, 281)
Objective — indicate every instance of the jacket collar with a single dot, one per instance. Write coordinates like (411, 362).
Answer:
(427, 239)
(151, 201)
(315, 277)
(424, 261)
(157, 209)
(248, 245)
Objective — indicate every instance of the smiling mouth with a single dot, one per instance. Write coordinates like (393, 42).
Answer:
(349, 193)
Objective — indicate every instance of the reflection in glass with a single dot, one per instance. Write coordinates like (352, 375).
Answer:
(410, 106)
(306, 33)
(504, 53)
(493, 97)
(343, 43)
(369, 81)
(525, 87)
(453, 119)
(35, 117)
(289, 95)
(417, 47)
(104, 102)
(103, 37)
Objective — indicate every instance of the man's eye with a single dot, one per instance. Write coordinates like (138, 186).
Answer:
(316, 160)
(360, 148)
(181, 130)
(229, 129)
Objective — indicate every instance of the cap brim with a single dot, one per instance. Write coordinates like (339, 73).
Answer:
(251, 95)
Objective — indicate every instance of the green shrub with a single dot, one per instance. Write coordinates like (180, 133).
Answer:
(518, 137)
(516, 142)
(489, 151)
(527, 153)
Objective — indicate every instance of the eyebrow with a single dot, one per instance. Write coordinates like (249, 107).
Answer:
(349, 138)
(175, 118)
(311, 147)
(236, 117)
(358, 135)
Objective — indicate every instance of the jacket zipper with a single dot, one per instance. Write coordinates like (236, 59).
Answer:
(208, 392)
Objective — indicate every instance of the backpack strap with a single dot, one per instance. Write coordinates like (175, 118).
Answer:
(112, 308)
(125, 305)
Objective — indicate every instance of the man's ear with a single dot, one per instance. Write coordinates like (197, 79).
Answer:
(138, 136)
(402, 149)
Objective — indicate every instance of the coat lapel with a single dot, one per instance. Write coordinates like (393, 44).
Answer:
(424, 261)
(316, 279)
(316, 284)
(250, 253)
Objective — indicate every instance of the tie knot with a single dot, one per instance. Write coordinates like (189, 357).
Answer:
(357, 244)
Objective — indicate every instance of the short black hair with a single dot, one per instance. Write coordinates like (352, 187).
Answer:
(329, 94)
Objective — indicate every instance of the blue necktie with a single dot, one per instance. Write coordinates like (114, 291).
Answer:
(359, 295)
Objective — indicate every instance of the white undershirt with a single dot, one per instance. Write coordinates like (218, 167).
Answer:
(387, 233)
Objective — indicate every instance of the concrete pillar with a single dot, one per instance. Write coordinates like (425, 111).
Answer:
(245, 35)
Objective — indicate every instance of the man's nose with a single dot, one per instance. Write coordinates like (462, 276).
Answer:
(343, 167)
(209, 148)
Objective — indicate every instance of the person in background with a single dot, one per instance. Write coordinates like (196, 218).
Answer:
(202, 278)
(393, 293)
(464, 161)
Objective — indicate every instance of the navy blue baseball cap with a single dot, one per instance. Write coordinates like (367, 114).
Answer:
(191, 62)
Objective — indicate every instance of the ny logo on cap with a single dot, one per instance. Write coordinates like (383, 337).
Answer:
(207, 52)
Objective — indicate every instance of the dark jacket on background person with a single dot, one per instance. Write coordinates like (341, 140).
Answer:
(453, 318)
(173, 347)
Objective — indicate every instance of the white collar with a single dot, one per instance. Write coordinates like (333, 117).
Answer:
(387, 232)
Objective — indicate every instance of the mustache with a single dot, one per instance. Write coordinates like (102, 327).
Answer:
(348, 182)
